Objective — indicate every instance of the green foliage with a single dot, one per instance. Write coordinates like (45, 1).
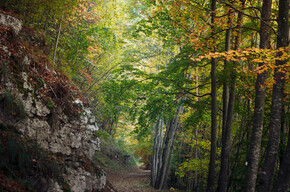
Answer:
(199, 165)
(137, 61)
(114, 153)
(66, 187)
(50, 103)
(102, 134)
(194, 165)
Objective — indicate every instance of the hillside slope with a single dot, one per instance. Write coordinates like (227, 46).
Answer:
(47, 135)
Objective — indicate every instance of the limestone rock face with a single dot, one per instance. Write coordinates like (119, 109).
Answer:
(10, 21)
(68, 137)
(85, 181)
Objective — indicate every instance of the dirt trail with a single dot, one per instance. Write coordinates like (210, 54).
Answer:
(134, 181)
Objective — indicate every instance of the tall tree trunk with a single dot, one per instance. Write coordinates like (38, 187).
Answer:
(195, 186)
(258, 119)
(162, 150)
(283, 180)
(157, 147)
(170, 159)
(283, 134)
(226, 140)
(222, 182)
(268, 170)
(211, 172)
(168, 142)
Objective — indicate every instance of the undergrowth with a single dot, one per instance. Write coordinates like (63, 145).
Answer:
(113, 154)
(23, 163)
(26, 53)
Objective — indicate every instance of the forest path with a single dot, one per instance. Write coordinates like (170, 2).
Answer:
(132, 181)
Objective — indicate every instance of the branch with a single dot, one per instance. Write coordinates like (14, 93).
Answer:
(255, 17)
(239, 11)
(183, 88)
(186, 29)
(103, 75)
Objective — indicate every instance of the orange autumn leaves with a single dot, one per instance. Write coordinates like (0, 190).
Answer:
(246, 61)
(253, 55)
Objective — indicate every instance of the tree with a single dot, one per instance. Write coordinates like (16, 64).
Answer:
(164, 156)
(269, 164)
(283, 179)
(255, 145)
(211, 172)
(228, 109)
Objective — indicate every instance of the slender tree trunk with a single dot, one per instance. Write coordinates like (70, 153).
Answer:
(168, 142)
(240, 136)
(256, 137)
(170, 159)
(283, 134)
(211, 172)
(268, 170)
(195, 186)
(283, 180)
(162, 150)
(222, 183)
(227, 129)
(57, 39)
(157, 147)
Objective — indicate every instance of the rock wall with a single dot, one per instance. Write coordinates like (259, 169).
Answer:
(10, 21)
(71, 138)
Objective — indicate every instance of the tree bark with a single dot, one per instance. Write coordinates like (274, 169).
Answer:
(168, 142)
(227, 129)
(256, 137)
(283, 180)
(157, 147)
(222, 182)
(283, 133)
(211, 172)
(268, 170)
(162, 150)
(170, 158)
(195, 185)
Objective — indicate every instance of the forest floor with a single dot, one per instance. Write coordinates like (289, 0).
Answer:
(122, 172)
(132, 181)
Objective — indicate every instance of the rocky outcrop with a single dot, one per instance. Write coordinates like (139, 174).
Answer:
(69, 137)
(10, 21)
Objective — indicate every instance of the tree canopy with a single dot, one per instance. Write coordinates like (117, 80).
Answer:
(199, 89)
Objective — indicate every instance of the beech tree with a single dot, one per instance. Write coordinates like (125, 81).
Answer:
(269, 164)
(211, 173)
(228, 104)
(258, 119)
